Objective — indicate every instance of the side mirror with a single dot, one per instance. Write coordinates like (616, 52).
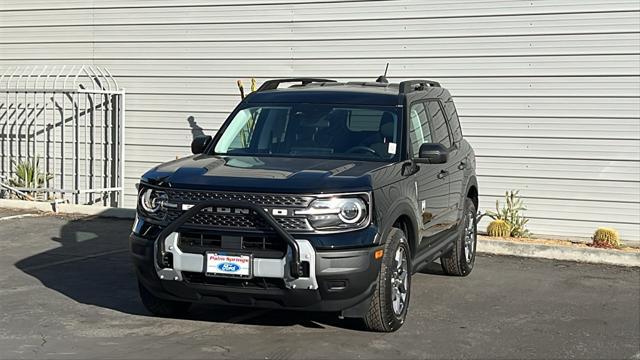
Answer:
(432, 153)
(199, 144)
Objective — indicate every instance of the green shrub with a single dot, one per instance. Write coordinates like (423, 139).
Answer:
(511, 214)
(498, 228)
(28, 174)
(606, 238)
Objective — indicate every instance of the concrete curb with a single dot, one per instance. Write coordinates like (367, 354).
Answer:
(496, 247)
(102, 211)
(586, 255)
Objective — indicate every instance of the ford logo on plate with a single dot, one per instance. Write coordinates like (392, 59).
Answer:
(228, 267)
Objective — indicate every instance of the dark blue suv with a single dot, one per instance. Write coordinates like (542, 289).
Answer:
(322, 196)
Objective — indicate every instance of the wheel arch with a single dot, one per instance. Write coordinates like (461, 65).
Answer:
(401, 216)
(471, 191)
(404, 223)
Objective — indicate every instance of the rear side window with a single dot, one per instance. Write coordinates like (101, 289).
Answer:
(454, 122)
(438, 124)
(419, 131)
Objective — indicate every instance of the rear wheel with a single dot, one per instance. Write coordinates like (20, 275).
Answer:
(162, 307)
(460, 260)
(390, 301)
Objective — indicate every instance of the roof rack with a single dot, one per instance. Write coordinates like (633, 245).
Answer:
(416, 85)
(273, 84)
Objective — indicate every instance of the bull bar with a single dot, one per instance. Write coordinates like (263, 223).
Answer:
(296, 265)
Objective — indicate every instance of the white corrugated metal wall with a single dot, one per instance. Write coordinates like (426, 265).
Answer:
(548, 90)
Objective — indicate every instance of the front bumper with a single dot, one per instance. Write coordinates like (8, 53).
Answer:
(304, 278)
(337, 281)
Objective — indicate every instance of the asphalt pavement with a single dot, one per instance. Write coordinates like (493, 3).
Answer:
(67, 290)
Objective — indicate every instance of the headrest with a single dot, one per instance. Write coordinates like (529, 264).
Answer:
(387, 117)
(387, 126)
(319, 123)
(387, 131)
(337, 116)
(311, 120)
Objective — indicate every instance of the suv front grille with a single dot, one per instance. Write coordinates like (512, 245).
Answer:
(249, 222)
(279, 200)
(207, 219)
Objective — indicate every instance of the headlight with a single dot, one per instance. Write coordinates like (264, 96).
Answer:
(152, 200)
(336, 213)
(352, 211)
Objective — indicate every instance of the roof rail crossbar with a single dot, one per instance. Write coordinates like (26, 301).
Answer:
(273, 84)
(416, 85)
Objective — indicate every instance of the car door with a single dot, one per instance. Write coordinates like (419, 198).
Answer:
(441, 134)
(432, 187)
(459, 159)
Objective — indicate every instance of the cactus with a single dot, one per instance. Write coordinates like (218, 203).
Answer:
(511, 214)
(241, 88)
(499, 228)
(254, 87)
(245, 133)
(606, 238)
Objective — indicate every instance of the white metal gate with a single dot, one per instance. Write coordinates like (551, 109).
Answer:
(67, 124)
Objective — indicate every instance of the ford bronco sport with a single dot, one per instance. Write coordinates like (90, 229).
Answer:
(321, 196)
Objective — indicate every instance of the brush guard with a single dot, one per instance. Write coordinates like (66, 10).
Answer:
(296, 266)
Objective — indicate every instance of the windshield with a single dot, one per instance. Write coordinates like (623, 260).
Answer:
(313, 130)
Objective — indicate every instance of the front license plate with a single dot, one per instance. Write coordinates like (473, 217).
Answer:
(228, 265)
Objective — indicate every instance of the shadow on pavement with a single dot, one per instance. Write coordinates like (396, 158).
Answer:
(92, 266)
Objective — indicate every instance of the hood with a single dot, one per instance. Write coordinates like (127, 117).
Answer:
(266, 174)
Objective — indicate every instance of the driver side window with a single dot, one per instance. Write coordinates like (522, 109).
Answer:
(419, 130)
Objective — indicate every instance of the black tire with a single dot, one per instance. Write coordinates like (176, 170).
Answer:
(381, 316)
(456, 262)
(161, 307)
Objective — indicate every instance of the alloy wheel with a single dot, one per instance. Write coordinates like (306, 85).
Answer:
(469, 237)
(400, 281)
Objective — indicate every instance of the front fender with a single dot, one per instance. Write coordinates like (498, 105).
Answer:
(393, 204)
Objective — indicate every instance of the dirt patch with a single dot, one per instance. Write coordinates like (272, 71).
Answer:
(558, 243)
(10, 212)
(5, 212)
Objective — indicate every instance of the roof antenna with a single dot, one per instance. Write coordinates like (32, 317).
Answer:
(383, 78)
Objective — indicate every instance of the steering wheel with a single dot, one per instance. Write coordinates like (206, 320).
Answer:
(362, 148)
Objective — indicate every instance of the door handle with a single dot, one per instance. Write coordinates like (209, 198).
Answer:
(443, 174)
(462, 165)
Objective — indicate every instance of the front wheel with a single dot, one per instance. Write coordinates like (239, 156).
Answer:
(460, 260)
(390, 301)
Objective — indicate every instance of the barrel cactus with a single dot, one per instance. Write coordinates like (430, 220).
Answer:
(606, 238)
(511, 214)
(499, 228)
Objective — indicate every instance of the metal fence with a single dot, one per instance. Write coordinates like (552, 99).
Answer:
(62, 134)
